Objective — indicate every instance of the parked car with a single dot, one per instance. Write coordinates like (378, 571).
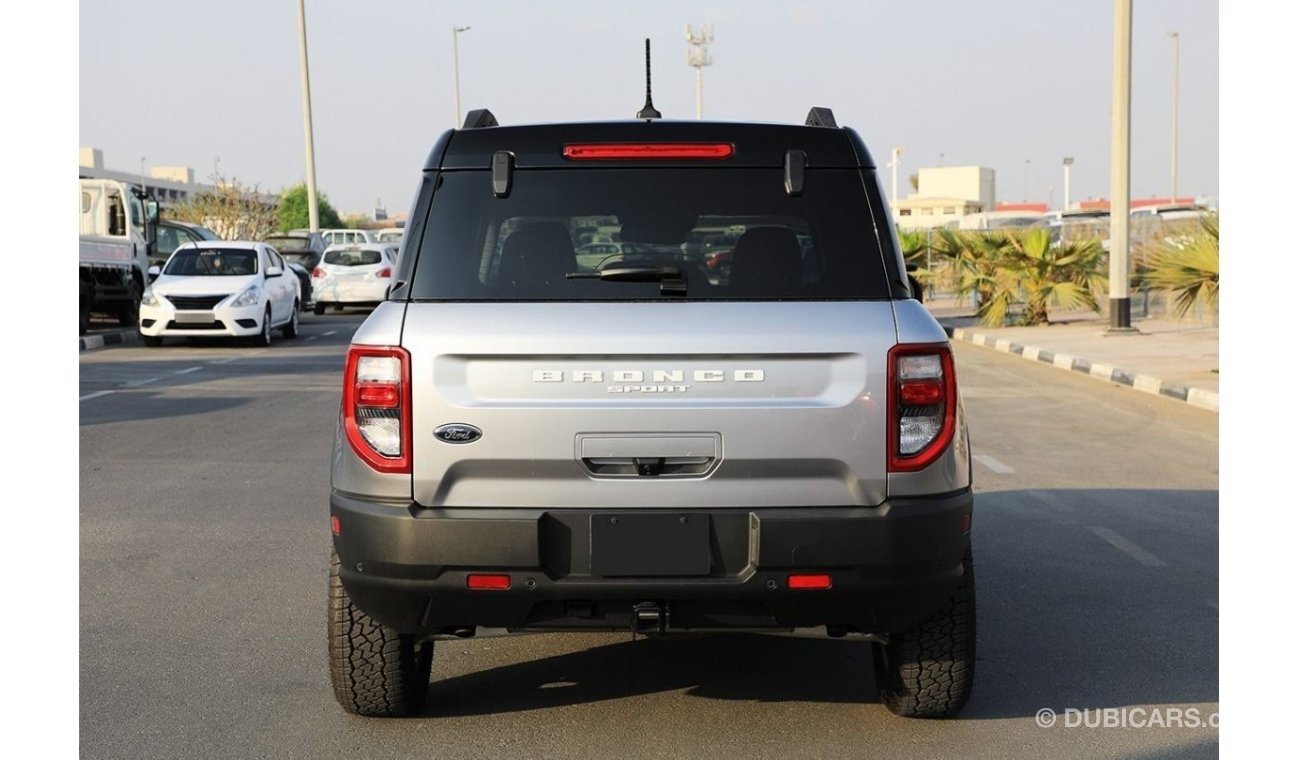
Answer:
(389, 235)
(221, 289)
(172, 234)
(352, 275)
(302, 250)
(528, 445)
(304, 283)
(347, 237)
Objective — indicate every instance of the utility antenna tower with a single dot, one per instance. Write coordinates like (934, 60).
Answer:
(697, 55)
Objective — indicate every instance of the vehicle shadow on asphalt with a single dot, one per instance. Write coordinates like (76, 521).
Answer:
(1065, 621)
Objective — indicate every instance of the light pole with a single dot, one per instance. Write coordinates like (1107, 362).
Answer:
(313, 213)
(1066, 163)
(455, 67)
(1173, 160)
(697, 56)
(940, 159)
(1026, 180)
(1120, 126)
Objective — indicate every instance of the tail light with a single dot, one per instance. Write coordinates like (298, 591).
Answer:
(922, 404)
(377, 406)
(385, 272)
(317, 272)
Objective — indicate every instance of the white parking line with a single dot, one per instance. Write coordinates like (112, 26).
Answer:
(1142, 556)
(226, 360)
(96, 394)
(1053, 500)
(331, 332)
(187, 370)
(312, 337)
(138, 383)
(994, 464)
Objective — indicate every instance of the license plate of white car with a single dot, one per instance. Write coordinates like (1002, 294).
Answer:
(194, 317)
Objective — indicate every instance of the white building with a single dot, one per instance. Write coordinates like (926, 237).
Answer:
(945, 194)
(170, 185)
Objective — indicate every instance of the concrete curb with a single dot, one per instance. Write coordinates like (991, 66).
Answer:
(107, 339)
(1146, 383)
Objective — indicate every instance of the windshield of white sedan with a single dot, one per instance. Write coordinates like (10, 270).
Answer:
(215, 262)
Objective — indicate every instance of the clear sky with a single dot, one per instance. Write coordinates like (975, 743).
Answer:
(994, 83)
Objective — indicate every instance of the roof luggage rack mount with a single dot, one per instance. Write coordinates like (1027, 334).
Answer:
(820, 117)
(479, 118)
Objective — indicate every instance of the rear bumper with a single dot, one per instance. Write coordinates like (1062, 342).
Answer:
(891, 566)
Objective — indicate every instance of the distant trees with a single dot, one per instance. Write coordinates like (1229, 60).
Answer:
(294, 213)
(230, 209)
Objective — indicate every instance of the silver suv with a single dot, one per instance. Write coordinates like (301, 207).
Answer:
(741, 419)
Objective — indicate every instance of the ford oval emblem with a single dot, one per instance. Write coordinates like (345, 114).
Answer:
(457, 432)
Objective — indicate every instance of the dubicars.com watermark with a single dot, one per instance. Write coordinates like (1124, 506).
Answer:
(1127, 717)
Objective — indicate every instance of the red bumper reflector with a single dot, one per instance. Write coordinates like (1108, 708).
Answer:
(377, 395)
(965, 523)
(809, 581)
(644, 151)
(488, 582)
(335, 528)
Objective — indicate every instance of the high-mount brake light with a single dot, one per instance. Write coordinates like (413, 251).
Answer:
(377, 406)
(647, 151)
(922, 404)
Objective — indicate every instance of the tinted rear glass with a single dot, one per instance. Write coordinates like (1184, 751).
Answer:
(352, 258)
(734, 233)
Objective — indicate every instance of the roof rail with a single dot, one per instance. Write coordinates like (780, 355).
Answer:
(478, 118)
(820, 117)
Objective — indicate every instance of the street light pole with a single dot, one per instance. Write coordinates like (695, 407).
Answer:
(1026, 180)
(313, 213)
(1173, 160)
(455, 67)
(894, 155)
(1120, 126)
(1066, 162)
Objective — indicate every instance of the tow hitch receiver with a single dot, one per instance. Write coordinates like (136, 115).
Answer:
(649, 617)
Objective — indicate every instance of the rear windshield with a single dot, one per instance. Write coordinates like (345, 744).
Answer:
(733, 233)
(352, 258)
(213, 262)
(283, 244)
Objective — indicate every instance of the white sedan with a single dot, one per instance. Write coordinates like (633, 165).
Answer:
(352, 275)
(221, 289)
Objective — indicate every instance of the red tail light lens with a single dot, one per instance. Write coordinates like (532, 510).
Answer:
(922, 404)
(385, 272)
(647, 151)
(317, 272)
(377, 406)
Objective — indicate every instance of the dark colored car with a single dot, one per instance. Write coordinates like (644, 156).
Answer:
(535, 439)
(302, 250)
(172, 234)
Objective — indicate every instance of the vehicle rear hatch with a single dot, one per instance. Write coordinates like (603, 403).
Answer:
(651, 379)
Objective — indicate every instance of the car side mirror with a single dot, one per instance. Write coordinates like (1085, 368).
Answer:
(274, 271)
(154, 271)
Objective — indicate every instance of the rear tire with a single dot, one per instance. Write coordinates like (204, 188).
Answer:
(928, 671)
(318, 308)
(374, 669)
(128, 314)
(291, 330)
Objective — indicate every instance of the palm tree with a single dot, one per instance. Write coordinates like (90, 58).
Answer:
(976, 262)
(1066, 275)
(1187, 267)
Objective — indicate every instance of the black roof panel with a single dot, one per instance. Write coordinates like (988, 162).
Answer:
(542, 145)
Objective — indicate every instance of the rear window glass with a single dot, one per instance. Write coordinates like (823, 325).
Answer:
(733, 233)
(212, 262)
(352, 258)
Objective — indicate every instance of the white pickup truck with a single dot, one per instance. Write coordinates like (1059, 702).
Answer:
(118, 226)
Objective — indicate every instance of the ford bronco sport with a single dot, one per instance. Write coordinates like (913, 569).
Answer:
(530, 440)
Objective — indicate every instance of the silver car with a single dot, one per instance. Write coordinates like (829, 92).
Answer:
(531, 443)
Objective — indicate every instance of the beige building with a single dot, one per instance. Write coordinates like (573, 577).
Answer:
(945, 194)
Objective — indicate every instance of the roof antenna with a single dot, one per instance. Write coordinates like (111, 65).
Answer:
(648, 111)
